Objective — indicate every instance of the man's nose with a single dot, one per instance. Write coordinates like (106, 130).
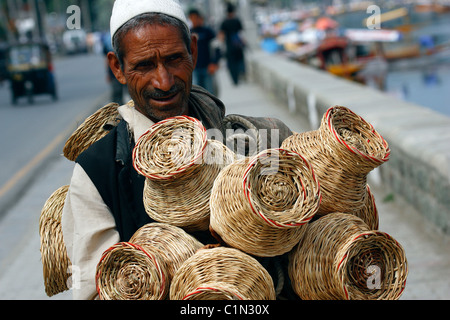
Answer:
(163, 79)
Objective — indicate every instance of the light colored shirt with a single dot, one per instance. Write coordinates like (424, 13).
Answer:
(88, 225)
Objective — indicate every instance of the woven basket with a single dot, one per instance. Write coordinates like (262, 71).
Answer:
(91, 130)
(341, 258)
(180, 166)
(369, 213)
(127, 271)
(55, 260)
(222, 274)
(261, 205)
(143, 268)
(173, 243)
(343, 151)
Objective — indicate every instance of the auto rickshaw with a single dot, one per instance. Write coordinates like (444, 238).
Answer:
(30, 71)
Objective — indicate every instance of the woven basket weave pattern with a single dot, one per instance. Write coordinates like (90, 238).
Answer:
(180, 166)
(174, 244)
(261, 205)
(143, 268)
(55, 260)
(222, 274)
(343, 151)
(130, 272)
(91, 130)
(334, 258)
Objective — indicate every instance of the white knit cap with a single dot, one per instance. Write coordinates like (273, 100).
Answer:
(125, 10)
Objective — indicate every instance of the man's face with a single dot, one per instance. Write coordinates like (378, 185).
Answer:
(158, 70)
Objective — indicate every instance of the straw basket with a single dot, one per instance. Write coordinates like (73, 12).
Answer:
(54, 256)
(173, 243)
(180, 166)
(93, 129)
(369, 212)
(340, 258)
(143, 268)
(222, 274)
(261, 205)
(127, 271)
(343, 151)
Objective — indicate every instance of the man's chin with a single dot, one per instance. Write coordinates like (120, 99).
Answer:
(160, 116)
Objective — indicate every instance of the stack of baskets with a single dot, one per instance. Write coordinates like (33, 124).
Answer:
(143, 268)
(309, 199)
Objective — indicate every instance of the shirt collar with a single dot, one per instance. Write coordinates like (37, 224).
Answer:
(138, 123)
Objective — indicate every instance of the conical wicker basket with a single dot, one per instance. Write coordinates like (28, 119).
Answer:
(91, 130)
(369, 212)
(261, 205)
(341, 258)
(55, 260)
(343, 151)
(180, 166)
(143, 268)
(222, 274)
(173, 243)
(127, 271)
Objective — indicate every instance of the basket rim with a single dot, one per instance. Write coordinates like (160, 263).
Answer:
(151, 132)
(371, 233)
(328, 118)
(163, 288)
(247, 191)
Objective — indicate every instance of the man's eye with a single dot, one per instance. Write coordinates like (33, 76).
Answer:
(144, 64)
(174, 58)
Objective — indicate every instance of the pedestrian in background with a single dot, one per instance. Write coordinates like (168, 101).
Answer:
(231, 33)
(208, 53)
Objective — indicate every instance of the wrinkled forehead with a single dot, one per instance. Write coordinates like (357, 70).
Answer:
(153, 39)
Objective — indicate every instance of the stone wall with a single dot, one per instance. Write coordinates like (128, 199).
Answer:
(419, 168)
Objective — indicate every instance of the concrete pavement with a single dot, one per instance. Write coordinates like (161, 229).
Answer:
(21, 269)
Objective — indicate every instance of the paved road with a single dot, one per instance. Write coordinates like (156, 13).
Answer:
(21, 269)
(29, 133)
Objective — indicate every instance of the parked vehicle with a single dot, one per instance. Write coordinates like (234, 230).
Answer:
(30, 71)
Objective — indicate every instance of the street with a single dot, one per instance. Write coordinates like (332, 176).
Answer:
(32, 133)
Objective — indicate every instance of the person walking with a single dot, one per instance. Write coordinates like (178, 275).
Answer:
(208, 53)
(231, 34)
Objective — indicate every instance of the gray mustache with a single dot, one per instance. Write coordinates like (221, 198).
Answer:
(160, 94)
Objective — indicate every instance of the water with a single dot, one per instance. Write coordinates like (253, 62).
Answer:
(424, 81)
(429, 87)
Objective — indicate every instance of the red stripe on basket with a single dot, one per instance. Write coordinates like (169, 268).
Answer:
(354, 150)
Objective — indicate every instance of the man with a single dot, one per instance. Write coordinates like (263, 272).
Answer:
(154, 55)
(208, 53)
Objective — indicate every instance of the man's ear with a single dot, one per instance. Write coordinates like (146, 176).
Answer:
(194, 49)
(114, 64)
